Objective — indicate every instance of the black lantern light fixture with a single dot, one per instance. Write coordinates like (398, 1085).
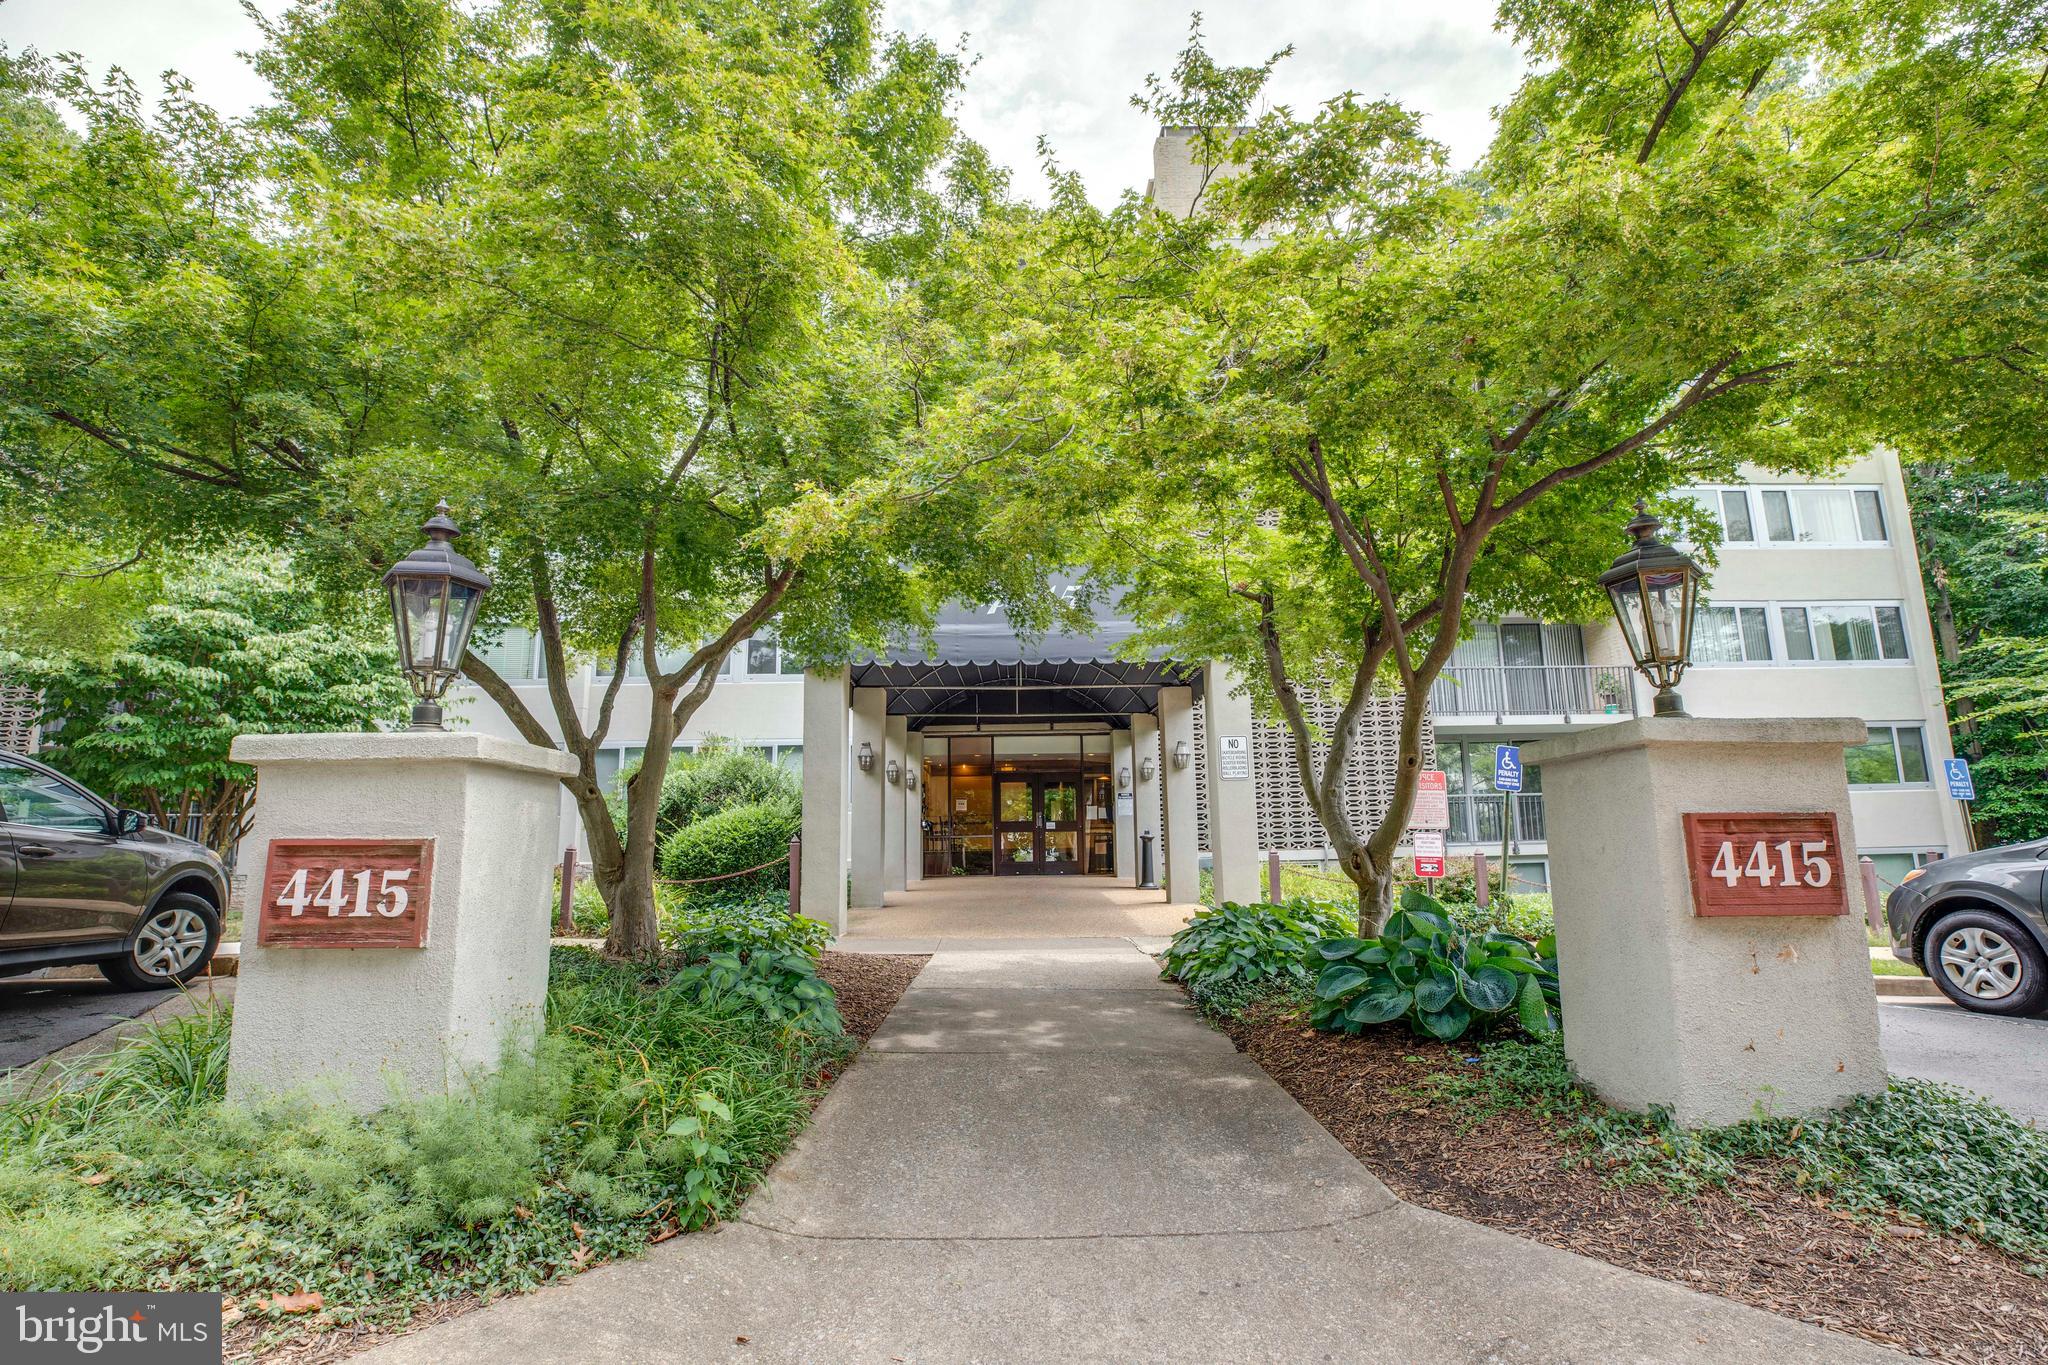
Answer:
(1654, 589)
(434, 596)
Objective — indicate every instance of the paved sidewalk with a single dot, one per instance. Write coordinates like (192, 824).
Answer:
(1045, 1155)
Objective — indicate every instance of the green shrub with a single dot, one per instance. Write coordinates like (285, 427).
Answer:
(1231, 956)
(1442, 981)
(646, 1105)
(732, 841)
(703, 784)
(783, 987)
(1523, 915)
(715, 921)
(1925, 1150)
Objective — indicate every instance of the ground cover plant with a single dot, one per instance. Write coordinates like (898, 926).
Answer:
(654, 1102)
(1232, 955)
(1416, 1111)
(1443, 981)
(1931, 1152)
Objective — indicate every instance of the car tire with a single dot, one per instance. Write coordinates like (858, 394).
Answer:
(1987, 963)
(163, 950)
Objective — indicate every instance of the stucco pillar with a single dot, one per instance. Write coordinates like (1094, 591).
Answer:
(1183, 858)
(432, 852)
(913, 811)
(1147, 816)
(895, 811)
(1233, 796)
(867, 788)
(1123, 802)
(826, 739)
(1711, 1015)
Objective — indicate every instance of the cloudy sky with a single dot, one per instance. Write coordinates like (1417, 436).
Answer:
(1061, 68)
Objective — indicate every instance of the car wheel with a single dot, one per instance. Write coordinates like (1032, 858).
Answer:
(1987, 963)
(171, 945)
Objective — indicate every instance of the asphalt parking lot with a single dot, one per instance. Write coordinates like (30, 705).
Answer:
(2001, 1059)
(40, 1017)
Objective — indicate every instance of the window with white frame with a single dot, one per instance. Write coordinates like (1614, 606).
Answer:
(762, 657)
(1893, 756)
(515, 654)
(1731, 633)
(1780, 515)
(1843, 632)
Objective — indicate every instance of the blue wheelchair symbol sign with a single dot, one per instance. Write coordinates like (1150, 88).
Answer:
(1507, 768)
(1960, 784)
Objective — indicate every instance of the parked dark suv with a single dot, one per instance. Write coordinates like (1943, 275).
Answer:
(1978, 925)
(83, 881)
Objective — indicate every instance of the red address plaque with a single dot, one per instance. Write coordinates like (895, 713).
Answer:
(1766, 863)
(346, 893)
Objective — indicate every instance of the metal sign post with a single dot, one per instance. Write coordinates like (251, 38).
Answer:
(1962, 787)
(1507, 780)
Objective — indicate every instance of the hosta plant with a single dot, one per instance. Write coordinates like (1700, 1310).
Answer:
(1443, 982)
(1246, 950)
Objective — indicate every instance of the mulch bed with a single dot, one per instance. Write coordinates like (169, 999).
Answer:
(868, 986)
(1764, 1244)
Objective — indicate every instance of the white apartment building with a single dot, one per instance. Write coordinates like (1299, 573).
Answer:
(1815, 609)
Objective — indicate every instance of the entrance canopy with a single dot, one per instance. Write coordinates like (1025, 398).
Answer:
(979, 668)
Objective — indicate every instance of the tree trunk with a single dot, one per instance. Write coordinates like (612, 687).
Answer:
(636, 918)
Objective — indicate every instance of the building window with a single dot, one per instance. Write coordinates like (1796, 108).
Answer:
(1893, 756)
(515, 654)
(1842, 632)
(1838, 515)
(1731, 634)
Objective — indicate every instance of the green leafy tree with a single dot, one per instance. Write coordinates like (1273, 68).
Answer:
(659, 295)
(1352, 403)
(238, 646)
(1983, 541)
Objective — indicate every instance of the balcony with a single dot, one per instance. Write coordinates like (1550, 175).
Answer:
(1552, 691)
(1476, 816)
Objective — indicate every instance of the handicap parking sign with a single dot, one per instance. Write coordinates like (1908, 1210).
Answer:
(1961, 785)
(1507, 768)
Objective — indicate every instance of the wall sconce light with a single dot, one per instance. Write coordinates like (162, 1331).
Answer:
(895, 772)
(1146, 767)
(866, 757)
(1123, 778)
(1182, 754)
(910, 779)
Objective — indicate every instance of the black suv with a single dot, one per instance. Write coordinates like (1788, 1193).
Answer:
(84, 881)
(1978, 925)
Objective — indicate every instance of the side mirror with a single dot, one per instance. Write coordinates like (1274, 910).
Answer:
(128, 822)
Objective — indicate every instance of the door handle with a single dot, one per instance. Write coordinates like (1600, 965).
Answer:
(35, 850)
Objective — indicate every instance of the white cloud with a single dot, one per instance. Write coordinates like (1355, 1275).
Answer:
(1064, 69)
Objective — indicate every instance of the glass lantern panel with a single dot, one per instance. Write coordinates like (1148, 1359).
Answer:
(422, 603)
(1628, 610)
(463, 601)
(1666, 603)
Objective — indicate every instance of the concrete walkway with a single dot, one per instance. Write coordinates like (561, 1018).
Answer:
(1045, 1155)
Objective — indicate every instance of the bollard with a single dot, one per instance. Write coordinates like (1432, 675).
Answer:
(1481, 892)
(1146, 881)
(567, 925)
(1873, 902)
(1273, 875)
(796, 875)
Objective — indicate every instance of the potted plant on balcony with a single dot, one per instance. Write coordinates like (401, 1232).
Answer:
(1608, 686)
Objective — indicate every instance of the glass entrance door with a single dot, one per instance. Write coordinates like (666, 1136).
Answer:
(1038, 825)
(1016, 825)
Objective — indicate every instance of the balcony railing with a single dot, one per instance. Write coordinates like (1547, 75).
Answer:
(1476, 817)
(1561, 690)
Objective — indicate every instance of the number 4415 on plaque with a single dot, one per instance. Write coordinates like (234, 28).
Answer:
(1765, 863)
